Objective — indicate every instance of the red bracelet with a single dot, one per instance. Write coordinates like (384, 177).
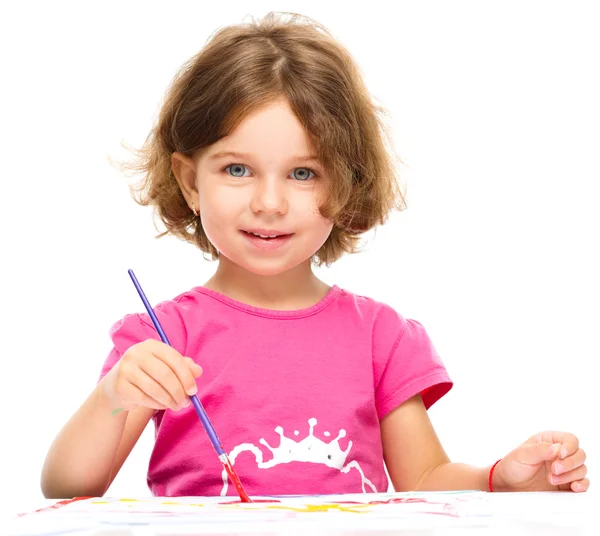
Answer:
(492, 474)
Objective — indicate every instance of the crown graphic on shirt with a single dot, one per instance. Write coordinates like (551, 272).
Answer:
(310, 449)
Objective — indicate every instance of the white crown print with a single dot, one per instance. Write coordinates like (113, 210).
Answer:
(310, 449)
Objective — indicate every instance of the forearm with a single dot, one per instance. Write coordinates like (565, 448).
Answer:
(456, 476)
(80, 460)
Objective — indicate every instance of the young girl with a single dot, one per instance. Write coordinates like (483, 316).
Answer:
(269, 155)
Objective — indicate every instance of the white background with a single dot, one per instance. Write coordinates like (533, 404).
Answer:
(496, 115)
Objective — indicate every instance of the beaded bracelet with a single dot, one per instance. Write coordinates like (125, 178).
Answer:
(491, 475)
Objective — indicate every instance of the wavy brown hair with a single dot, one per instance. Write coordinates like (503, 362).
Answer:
(246, 66)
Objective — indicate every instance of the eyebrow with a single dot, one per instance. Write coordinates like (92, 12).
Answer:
(222, 154)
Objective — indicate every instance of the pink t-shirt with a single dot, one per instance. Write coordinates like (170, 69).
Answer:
(295, 396)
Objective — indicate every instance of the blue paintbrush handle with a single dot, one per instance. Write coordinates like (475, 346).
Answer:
(212, 435)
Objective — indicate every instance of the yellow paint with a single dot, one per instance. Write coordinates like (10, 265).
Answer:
(321, 508)
(354, 508)
(308, 508)
(181, 504)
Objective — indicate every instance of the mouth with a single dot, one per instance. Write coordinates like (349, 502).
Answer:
(266, 235)
(267, 240)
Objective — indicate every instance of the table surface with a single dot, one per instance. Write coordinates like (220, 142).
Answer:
(414, 514)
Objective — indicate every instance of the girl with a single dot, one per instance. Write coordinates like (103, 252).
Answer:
(269, 155)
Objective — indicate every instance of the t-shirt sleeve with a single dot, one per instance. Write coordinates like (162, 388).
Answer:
(138, 327)
(405, 363)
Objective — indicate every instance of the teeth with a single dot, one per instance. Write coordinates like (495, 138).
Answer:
(263, 236)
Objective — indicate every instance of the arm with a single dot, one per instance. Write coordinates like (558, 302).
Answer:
(416, 460)
(88, 452)
(415, 457)
(91, 448)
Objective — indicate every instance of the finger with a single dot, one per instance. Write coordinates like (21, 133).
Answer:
(569, 442)
(196, 369)
(142, 399)
(177, 363)
(580, 485)
(149, 384)
(570, 463)
(537, 452)
(166, 377)
(570, 445)
(568, 477)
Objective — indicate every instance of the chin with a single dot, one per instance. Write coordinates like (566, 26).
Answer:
(266, 269)
(262, 266)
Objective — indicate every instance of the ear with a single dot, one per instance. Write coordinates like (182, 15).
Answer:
(184, 169)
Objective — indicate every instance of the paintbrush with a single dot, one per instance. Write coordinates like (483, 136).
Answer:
(212, 435)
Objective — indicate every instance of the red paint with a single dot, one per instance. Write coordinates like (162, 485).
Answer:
(236, 481)
(58, 504)
(254, 501)
(397, 500)
(394, 500)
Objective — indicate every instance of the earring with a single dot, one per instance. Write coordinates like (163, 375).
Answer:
(194, 210)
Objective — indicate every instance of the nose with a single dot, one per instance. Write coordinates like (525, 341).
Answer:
(270, 196)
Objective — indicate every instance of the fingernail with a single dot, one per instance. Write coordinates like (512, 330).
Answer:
(192, 391)
(563, 453)
(185, 403)
(558, 468)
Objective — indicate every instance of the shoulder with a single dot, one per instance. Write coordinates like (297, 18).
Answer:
(380, 314)
(390, 331)
(173, 315)
(170, 306)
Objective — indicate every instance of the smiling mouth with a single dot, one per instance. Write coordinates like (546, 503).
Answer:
(266, 237)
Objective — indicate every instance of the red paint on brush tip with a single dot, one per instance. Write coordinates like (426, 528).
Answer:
(236, 481)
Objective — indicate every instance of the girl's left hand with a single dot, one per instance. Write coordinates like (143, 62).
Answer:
(548, 461)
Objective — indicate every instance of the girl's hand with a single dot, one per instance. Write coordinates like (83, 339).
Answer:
(548, 461)
(151, 374)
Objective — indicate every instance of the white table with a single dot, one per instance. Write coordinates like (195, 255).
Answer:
(507, 514)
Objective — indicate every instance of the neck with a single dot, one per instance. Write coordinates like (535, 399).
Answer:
(297, 288)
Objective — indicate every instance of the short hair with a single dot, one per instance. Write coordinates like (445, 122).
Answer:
(246, 66)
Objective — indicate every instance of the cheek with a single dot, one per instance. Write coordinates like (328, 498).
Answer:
(212, 212)
(214, 217)
(322, 231)
(219, 213)
(319, 226)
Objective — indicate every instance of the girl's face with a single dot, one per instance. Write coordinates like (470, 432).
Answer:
(263, 179)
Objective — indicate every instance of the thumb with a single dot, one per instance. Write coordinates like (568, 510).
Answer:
(537, 452)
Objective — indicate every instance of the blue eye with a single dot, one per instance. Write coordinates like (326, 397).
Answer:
(303, 176)
(237, 168)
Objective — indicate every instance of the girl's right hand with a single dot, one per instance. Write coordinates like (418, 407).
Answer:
(151, 374)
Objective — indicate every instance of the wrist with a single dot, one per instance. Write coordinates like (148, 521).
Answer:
(103, 400)
(494, 483)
